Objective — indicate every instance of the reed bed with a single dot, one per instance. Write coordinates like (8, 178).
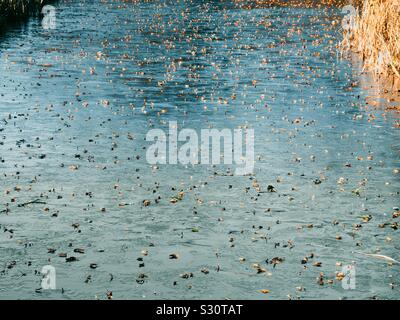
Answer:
(14, 9)
(376, 37)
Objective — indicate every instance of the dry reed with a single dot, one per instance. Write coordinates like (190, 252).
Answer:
(376, 37)
(18, 8)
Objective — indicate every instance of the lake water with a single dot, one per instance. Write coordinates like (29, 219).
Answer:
(76, 104)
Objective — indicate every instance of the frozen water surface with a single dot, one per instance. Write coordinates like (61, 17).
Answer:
(76, 104)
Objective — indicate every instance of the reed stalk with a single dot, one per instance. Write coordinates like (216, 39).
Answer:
(14, 9)
(376, 37)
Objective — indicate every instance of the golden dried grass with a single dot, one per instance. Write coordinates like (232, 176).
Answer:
(376, 37)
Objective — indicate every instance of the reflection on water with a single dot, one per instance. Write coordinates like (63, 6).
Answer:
(77, 102)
